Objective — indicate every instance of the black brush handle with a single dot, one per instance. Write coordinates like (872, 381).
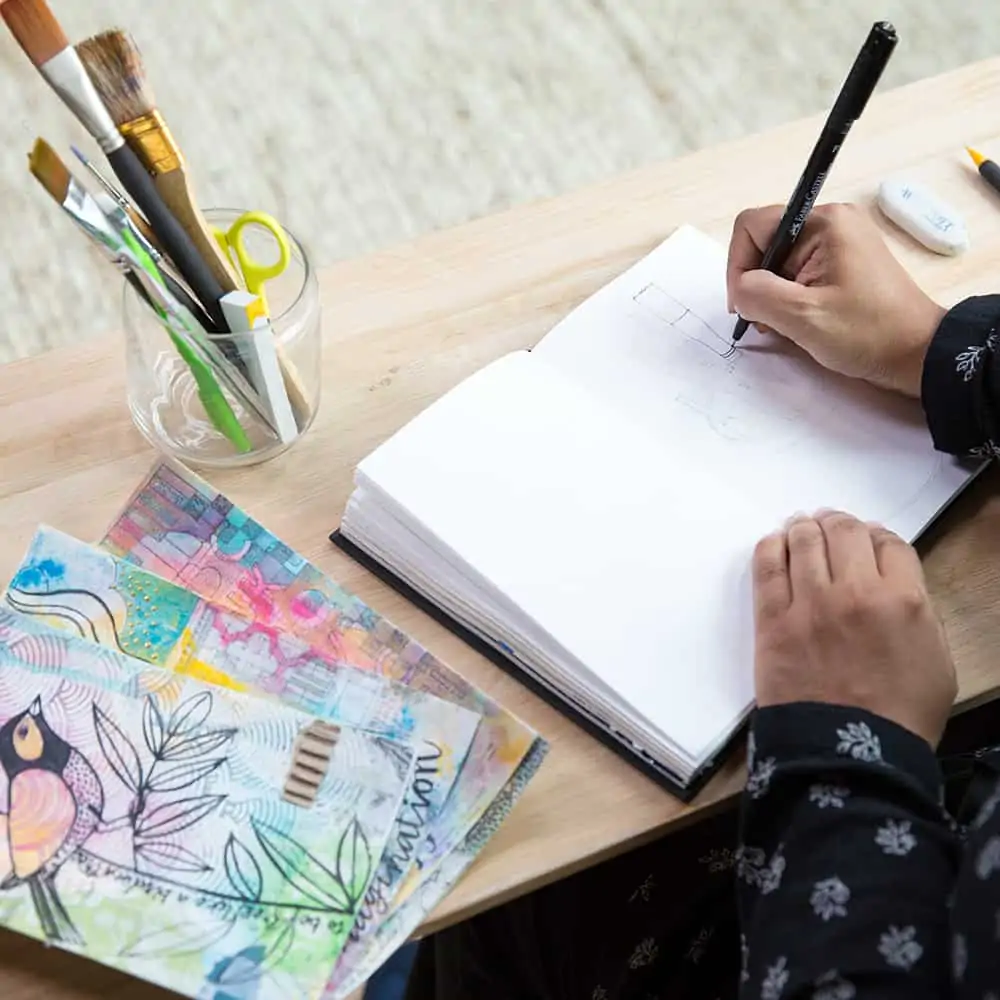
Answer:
(176, 243)
(179, 292)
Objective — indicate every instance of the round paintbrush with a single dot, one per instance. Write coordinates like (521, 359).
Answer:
(44, 42)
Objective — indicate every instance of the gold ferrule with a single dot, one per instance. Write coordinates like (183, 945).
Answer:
(152, 142)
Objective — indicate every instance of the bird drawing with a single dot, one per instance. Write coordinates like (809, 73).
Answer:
(54, 804)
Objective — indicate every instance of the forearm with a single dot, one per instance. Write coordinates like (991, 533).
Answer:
(846, 859)
(960, 389)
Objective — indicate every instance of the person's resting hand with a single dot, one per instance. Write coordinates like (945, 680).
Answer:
(843, 298)
(843, 617)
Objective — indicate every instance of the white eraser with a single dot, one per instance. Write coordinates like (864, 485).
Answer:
(922, 214)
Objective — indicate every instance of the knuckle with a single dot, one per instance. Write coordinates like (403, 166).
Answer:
(912, 602)
(838, 213)
(804, 533)
(852, 605)
(841, 523)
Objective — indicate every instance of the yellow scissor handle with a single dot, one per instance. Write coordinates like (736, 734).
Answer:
(255, 274)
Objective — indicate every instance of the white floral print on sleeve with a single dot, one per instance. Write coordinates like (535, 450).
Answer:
(759, 779)
(896, 838)
(775, 980)
(829, 898)
(832, 986)
(752, 867)
(828, 796)
(988, 808)
(858, 741)
(900, 948)
(988, 859)
(959, 957)
(967, 361)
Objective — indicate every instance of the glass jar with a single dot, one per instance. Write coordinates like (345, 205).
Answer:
(268, 377)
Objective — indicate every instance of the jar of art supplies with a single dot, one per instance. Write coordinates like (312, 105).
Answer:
(233, 382)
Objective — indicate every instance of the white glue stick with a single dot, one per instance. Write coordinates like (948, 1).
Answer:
(245, 314)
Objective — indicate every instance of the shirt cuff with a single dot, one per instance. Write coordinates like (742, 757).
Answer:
(847, 738)
(956, 366)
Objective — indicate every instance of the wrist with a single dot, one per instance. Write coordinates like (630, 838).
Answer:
(921, 329)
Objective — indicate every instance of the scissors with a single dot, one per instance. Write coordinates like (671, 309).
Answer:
(254, 273)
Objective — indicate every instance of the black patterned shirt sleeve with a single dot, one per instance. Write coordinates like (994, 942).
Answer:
(846, 859)
(960, 389)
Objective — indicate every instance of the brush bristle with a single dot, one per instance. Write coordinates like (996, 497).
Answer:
(114, 65)
(52, 173)
(35, 27)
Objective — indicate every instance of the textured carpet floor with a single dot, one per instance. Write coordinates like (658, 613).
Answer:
(363, 122)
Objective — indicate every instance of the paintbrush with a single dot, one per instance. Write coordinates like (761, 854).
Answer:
(114, 64)
(139, 224)
(43, 40)
(115, 237)
(90, 215)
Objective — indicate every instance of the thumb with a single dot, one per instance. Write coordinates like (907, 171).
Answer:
(770, 300)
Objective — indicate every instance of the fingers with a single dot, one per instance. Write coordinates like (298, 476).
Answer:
(896, 560)
(752, 231)
(772, 593)
(772, 301)
(808, 567)
(849, 547)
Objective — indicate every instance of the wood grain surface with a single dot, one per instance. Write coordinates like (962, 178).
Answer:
(403, 326)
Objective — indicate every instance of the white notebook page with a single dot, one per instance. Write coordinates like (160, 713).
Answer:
(569, 509)
(654, 344)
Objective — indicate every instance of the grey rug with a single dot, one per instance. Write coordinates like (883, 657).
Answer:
(364, 122)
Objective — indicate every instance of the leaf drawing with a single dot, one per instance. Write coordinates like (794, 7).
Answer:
(300, 869)
(190, 714)
(170, 857)
(152, 726)
(243, 871)
(238, 973)
(195, 746)
(176, 816)
(179, 776)
(354, 860)
(176, 939)
(118, 750)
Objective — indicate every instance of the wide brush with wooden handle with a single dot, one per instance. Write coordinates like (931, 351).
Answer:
(114, 64)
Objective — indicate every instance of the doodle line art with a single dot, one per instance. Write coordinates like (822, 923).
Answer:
(142, 824)
(180, 528)
(683, 319)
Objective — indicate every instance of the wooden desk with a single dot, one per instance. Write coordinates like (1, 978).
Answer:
(403, 326)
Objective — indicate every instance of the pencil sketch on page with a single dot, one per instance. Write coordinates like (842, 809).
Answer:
(683, 319)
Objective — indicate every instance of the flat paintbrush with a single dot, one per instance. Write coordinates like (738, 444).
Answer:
(114, 64)
(43, 40)
(49, 170)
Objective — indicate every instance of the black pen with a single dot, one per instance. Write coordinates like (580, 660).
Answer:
(851, 101)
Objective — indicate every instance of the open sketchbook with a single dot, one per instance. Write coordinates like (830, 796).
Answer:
(146, 822)
(589, 509)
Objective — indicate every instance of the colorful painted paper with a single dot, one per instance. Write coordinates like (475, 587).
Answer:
(142, 822)
(178, 527)
(73, 585)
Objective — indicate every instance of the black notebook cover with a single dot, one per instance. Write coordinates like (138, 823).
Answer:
(619, 745)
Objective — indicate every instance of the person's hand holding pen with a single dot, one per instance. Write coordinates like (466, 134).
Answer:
(842, 296)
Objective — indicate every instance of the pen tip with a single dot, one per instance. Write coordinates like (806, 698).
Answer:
(977, 158)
